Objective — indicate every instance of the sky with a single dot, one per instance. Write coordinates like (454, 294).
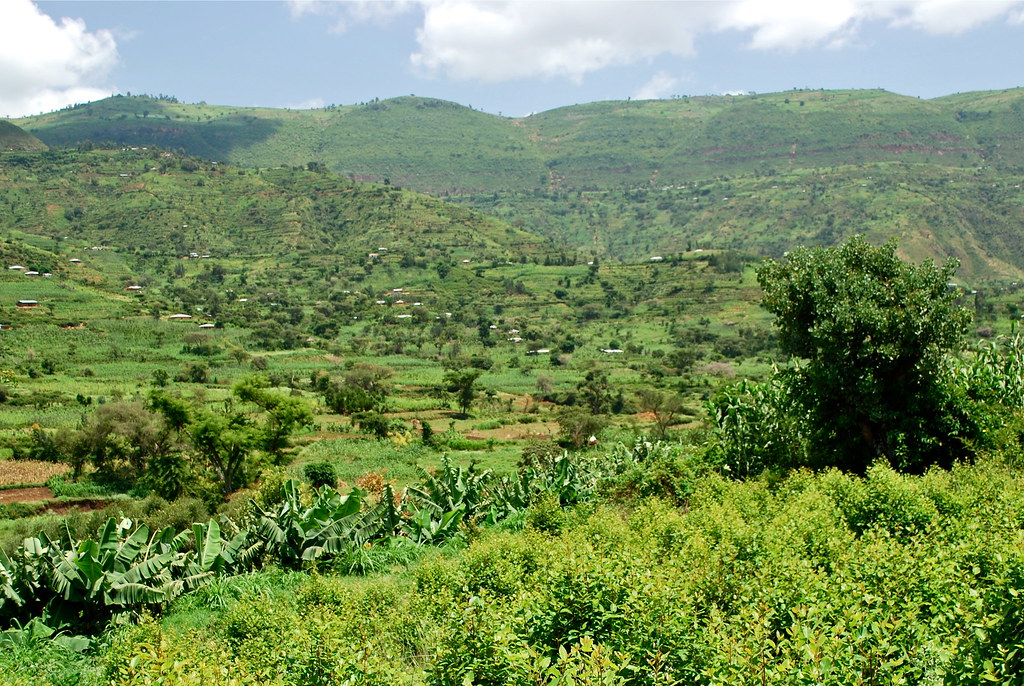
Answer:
(509, 57)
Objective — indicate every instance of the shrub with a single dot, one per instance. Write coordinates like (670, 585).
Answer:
(320, 474)
(373, 423)
(885, 499)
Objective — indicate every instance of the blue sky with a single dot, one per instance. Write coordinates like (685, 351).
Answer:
(509, 57)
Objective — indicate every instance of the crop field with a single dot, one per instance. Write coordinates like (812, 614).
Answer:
(24, 472)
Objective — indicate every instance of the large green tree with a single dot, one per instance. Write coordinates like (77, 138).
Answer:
(871, 331)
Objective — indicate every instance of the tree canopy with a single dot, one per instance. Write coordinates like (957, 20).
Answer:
(871, 331)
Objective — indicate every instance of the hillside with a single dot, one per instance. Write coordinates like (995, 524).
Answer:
(14, 138)
(149, 201)
(441, 147)
(302, 428)
(627, 180)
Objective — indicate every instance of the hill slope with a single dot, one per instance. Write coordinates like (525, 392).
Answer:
(14, 138)
(149, 201)
(437, 146)
(626, 180)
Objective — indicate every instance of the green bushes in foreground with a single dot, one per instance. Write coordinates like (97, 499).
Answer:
(79, 584)
(808, 579)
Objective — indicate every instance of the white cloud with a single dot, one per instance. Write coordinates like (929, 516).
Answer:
(500, 41)
(342, 14)
(45, 65)
(495, 40)
(956, 16)
(794, 24)
(660, 85)
(503, 40)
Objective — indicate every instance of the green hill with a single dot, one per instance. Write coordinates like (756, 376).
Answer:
(14, 138)
(145, 200)
(437, 146)
(625, 180)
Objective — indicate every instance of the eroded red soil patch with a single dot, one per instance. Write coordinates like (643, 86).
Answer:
(25, 495)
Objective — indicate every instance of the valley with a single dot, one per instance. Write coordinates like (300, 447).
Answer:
(406, 393)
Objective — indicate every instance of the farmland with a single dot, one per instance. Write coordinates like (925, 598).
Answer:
(297, 428)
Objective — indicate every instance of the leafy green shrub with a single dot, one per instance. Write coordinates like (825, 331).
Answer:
(254, 618)
(64, 485)
(320, 474)
(266, 494)
(169, 475)
(374, 423)
(501, 564)
(179, 515)
(146, 654)
(661, 470)
(479, 645)
(19, 510)
(545, 514)
(994, 649)
(438, 582)
(885, 499)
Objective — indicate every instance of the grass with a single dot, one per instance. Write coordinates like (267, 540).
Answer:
(353, 459)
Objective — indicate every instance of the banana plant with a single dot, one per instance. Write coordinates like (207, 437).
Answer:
(12, 584)
(388, 514)
(25, 579)
(115, 576)
(217, 555)
(567, 479)
(428, 527)
(450, 488)
(34, 632)
(331, 525)
(512, 494)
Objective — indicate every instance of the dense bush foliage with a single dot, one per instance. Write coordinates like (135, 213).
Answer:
(813, 578)
(872, 331)
(80, 584)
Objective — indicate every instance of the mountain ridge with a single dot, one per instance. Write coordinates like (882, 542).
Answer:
(440, 147)
(626, 180)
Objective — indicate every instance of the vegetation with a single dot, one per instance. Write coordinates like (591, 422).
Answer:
(295, 428)
(810, 578)
(759, 173)
(874, 332)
